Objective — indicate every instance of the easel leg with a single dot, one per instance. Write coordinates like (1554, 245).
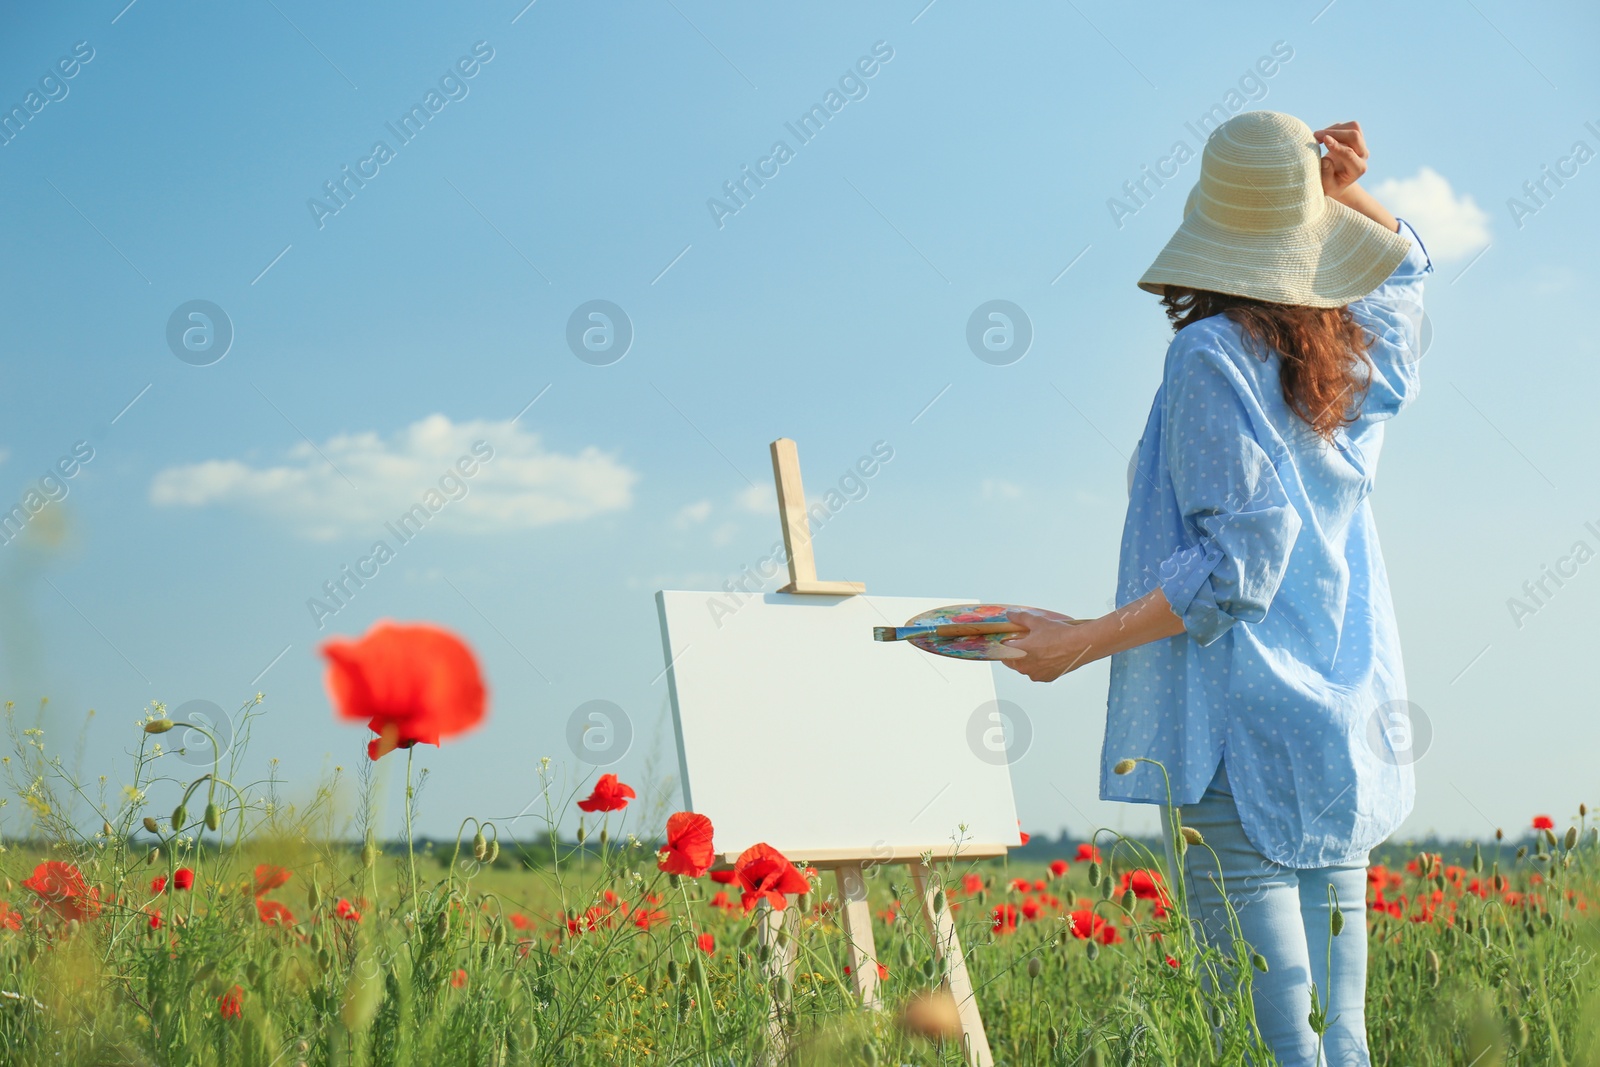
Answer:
(855, 916)
(947, 947)
(781, 960)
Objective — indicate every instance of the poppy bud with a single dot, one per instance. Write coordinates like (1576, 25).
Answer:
(1192, 836)
(105, 828)
(1571, 840)
(1107, 888)
(1129, 901)
(316, 941)
(583, 835)
(1124, 767)
(746, 938)
(938, 901)
(1477, 860)
(1583, 810)
(605, 836)
(928, 969)
(783, 987)
(1522, 850)
(213, 817)
(441, 925)
(499, 935)
(783, 936)
(369, 854)
(904, 954)
(697, 971)
(1259, 962)
(151, 825)
(1035, 967)
(1091, 950)
(480, 846)
(804, 902)
(494, 851)
(158, 726)
(1094, 874)
(153, 855)
(180, 818)
(1499, 834)
(1336, 922)
(314, 895)
(764, 953)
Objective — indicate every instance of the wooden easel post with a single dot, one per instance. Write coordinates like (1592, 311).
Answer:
(855, 914)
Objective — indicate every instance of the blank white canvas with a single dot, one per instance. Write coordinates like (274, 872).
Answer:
(796, 728)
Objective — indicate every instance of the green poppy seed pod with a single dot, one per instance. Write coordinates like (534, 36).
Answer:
(697, 970)
(764, 953)
(1522, 850)
(605, 836)
(928, 969)
(583, 835)
(1433, 967)
(1570, 842)
(1336, 922)
(869, 1055)
(480, 846)
(316, 941)
(1053, 1036)
(783, 987)
(1035, 967)
(783, 936)
(613, 979)
(1129, 901)
(314, 895)
(180, 818)
(153, 855)
(33, 951)
(105, 828)
(1091, 949)
(1107, 887)
(983, 897)
(804, 902)
(747, 938)
(1192, 836)
(1094, 874)
(158, 726)
(441, 925)
(494, 851)
(151, 826)
(498, 936)
(1125, 766)
(1259, 962)
(673, 972)
(1550, 838)
(369, 855)
(938, 901)
(1477, 860)
(904, 954)
(213, 817)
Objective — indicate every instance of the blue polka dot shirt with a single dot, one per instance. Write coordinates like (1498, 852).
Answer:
(1262, 537)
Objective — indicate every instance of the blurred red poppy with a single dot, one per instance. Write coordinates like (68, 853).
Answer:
(764, 874)
(609, 795)
(346, 910)
(269, 876)
(1059, 868)
(726, 877)
(707, 943)
(182, 878)
(459, 979)
(9, 920)
(271, 911)
(1087, 853)
(1543, 822)
(1004, 917)
(688, 850)
(61, 888)
(158, 884)
(155, 919)
(413, 683)
(231, 1003)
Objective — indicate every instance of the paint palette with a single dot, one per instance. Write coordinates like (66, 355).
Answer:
(979, 646)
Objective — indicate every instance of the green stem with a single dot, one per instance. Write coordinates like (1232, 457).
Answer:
(411, 852)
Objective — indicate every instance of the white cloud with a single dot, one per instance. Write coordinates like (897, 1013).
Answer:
(761, 499)
(692, 514)
(1452, 226)
(351, 484)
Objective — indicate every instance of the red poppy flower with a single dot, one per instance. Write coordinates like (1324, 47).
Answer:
(155, 919)
(61, 888)
(231, 1003)
(271, 911)
(707, 943)
(1030, 909)
(1084, 924)
(158, 884)
(726, 877)
(971, 884)
(1087, 853)
(1543, 822)
(459, 979)
(413, 683)
(1020, 885)
(346, 910)
(764, 873)
(644, 918)
(1004, 917)
(688, 850)
(1020, 832)
(1146, 884)
(609, 795)
(1059, 868)
(269, 876)
(883, 972)
(182, 878)
(9, 920)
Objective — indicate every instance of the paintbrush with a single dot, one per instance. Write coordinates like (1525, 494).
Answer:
(946, 629)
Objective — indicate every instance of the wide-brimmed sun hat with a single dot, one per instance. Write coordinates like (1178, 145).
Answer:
(1257, 223)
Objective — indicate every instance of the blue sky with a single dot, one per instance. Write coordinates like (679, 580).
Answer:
(371, 346)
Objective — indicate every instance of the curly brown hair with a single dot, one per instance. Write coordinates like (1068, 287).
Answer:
(1324, 366)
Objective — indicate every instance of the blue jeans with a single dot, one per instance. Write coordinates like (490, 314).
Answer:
(1284, 914)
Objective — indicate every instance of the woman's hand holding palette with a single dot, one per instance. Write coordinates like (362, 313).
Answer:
(966, 631)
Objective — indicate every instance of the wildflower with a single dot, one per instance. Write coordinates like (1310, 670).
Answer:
(688, 850)
(645, 918)
(9, 920)
(347, 911)
(1021, 833)
(883, 972)
(1145, 884)
(721, 900)
(231, 1003)
(609, 795)
(182, 878)
(707, 943)
(1543, 822)
(971, 884)
(1059, 868)
(1087, 853)
(724, 877)
(61, 888)
(158, 884)
(413, 684)
(764, 873)
(1004, 917)
(1020, 885)
(155, 919)
(269, 876)
(271, 911)
(458, 980)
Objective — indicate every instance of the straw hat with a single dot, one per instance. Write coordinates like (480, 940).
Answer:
(1258, 225)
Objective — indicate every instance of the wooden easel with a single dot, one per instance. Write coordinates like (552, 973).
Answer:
(849, 868)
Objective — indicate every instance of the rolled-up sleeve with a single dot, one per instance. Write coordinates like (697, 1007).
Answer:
(1393, 317)
(1233, 505)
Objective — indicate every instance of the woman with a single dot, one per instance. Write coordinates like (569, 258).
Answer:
(1254, 651)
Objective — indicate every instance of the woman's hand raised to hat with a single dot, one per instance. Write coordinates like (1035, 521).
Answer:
(1346, 160)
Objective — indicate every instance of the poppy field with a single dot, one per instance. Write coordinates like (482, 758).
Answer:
(236, 928)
